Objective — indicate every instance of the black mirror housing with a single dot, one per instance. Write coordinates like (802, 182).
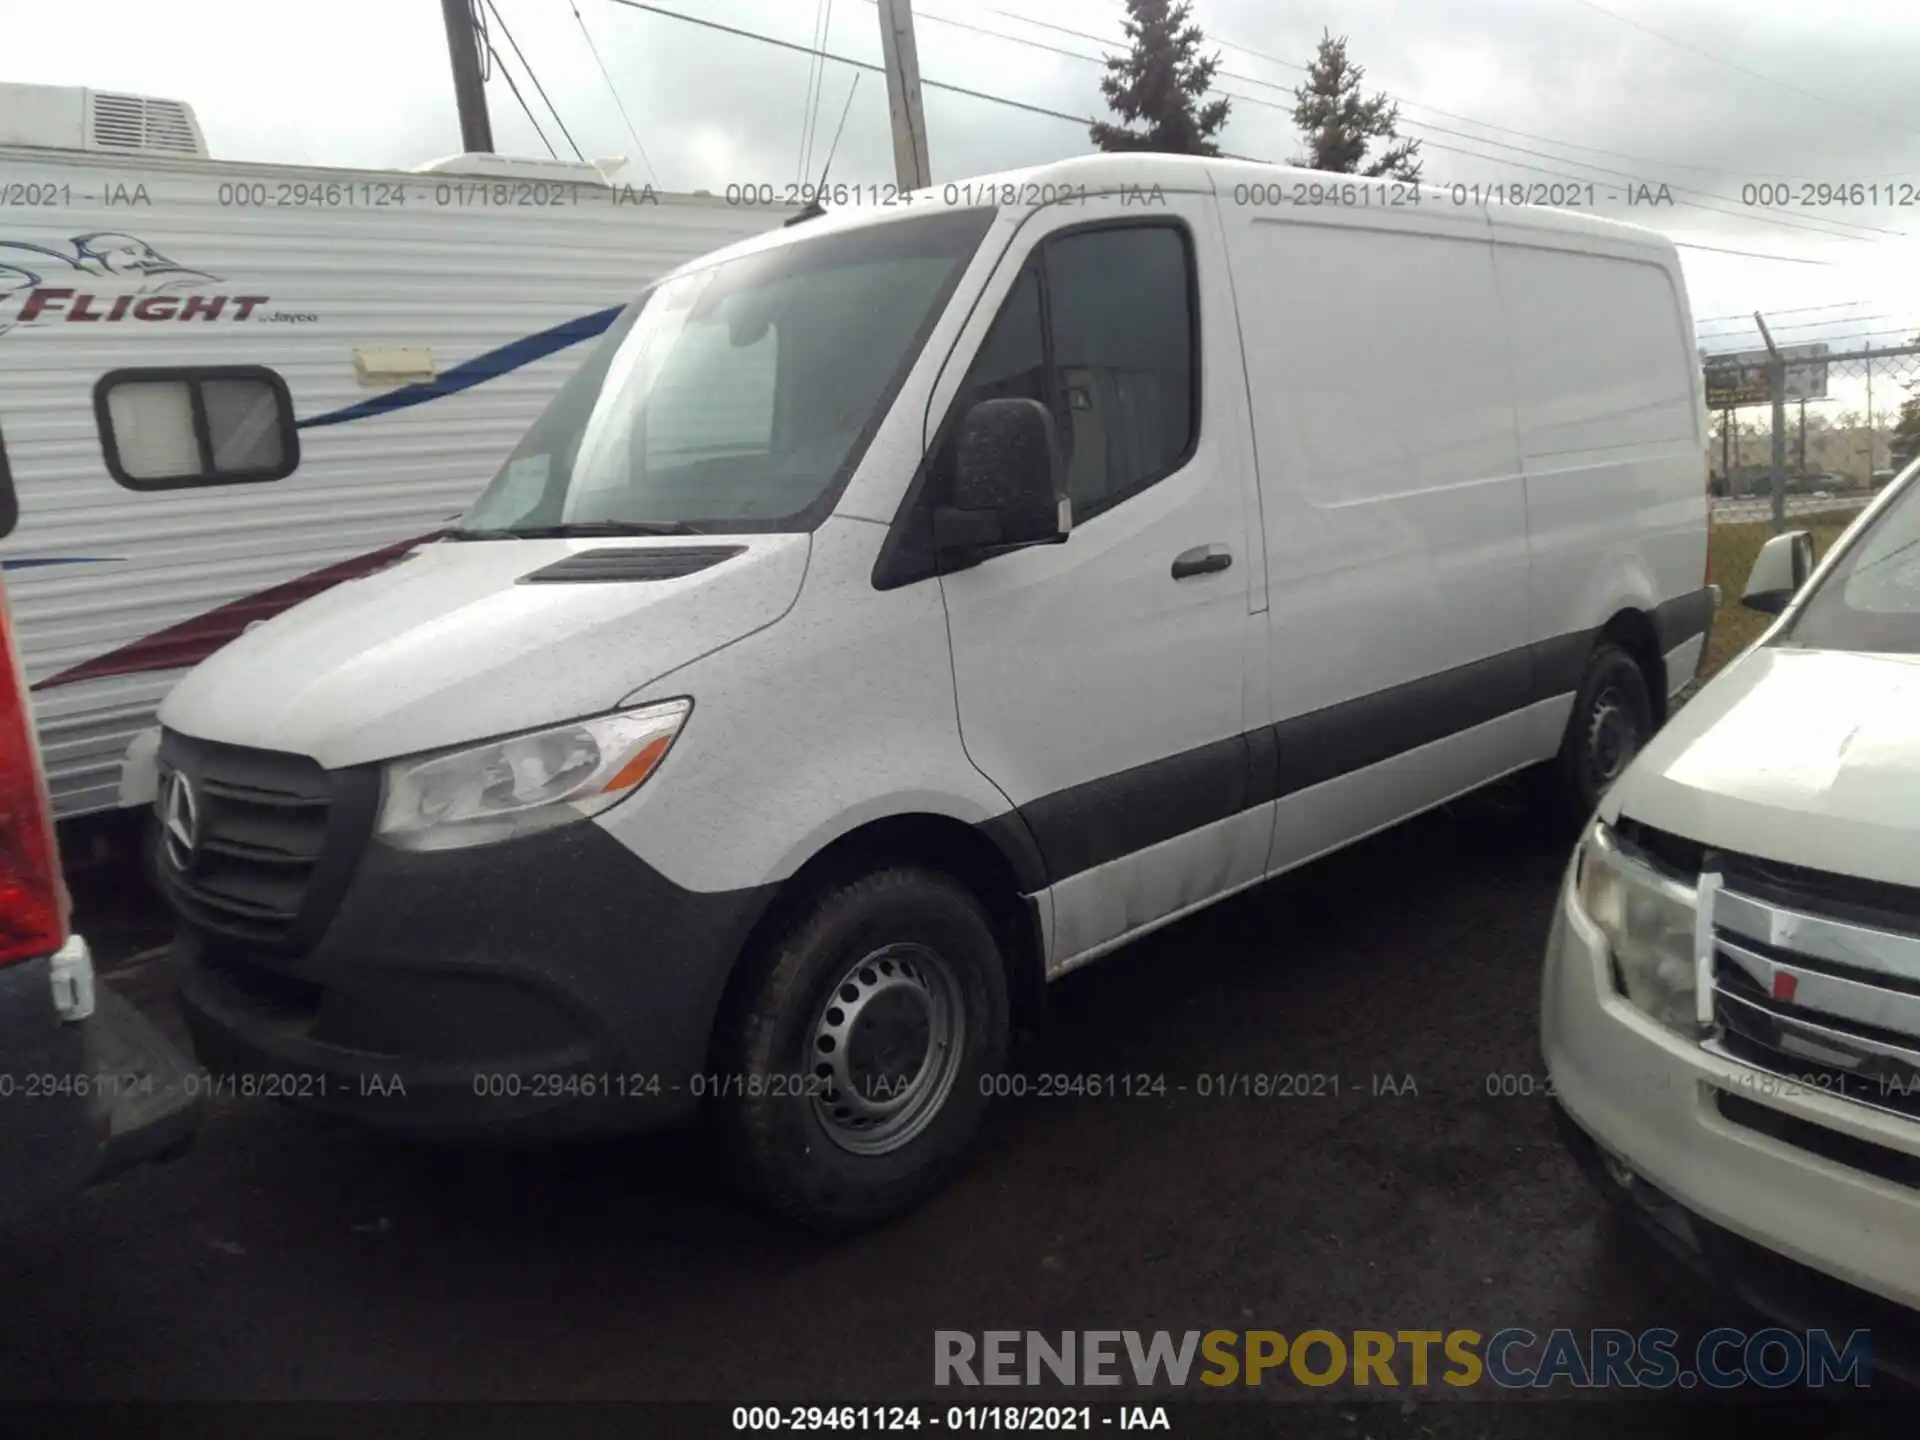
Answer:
(1006, 482)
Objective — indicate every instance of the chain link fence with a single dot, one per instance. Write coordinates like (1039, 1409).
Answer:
(1775, 456)
(1778, 461)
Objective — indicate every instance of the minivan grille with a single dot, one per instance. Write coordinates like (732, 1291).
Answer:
(238, 852)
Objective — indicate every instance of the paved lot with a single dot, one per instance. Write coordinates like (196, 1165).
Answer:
(289, 1258)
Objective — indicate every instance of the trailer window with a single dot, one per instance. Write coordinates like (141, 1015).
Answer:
(170, 429)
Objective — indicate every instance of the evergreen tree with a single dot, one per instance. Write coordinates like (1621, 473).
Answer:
(1338, 124)
(1905, 441)
(1157, 88)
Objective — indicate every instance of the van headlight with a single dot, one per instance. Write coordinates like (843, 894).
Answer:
(483, 793)
(1648, 922)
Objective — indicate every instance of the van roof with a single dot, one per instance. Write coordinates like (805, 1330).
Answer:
(1217, 175)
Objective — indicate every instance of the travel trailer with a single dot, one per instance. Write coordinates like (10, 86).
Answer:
(225, 387)
(1073, 548)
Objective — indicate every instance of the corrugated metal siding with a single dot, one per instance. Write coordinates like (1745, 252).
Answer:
(461, 280)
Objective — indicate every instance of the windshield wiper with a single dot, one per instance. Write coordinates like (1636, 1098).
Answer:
(578, 528)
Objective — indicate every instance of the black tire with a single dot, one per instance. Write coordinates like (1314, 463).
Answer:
(1612, 721)
(798, 1144)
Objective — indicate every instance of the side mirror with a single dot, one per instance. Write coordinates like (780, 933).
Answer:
(1778, 572)
(1006, 483)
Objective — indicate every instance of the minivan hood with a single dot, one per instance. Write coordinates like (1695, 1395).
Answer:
(449, 646)
(1808, 757)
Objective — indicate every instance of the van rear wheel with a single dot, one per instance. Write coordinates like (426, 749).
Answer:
(852, 1063)
(1612, 721)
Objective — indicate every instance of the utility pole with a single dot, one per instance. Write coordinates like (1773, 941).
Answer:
(1873, 444)
(1777, 389)
(902, 58)
(463, 48)
(1803, 436)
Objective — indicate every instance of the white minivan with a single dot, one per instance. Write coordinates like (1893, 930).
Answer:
(1731, 1006)
(903, 608)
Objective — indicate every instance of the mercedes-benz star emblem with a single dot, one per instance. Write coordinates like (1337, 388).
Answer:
(180, 822)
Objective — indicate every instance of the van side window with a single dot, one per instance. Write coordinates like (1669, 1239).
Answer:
(1012, 363)
(169, 429)
(1119, 301)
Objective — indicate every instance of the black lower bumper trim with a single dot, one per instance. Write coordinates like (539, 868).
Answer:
(550, 985)
(1782, 1291)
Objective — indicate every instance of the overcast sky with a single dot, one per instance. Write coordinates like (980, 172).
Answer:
(1724, 95)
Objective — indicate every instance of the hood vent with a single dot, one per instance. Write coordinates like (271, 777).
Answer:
(628, 563)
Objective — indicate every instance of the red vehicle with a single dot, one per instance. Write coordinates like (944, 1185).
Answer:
(87, 1084)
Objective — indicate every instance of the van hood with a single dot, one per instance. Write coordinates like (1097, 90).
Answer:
(1808, 757)
(452, 645)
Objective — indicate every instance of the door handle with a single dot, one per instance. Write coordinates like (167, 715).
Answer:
(1201, 560)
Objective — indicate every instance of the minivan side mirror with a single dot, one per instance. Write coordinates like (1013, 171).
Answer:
(1007, 481)
(1779, 570)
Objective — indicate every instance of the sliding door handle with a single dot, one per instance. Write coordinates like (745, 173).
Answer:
(1201, 560)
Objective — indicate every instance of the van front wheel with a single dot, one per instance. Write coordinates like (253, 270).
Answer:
(1612, 720)
(854, 1061)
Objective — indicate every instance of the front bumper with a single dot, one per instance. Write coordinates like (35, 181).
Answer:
(549, 985)
(1727, 1144)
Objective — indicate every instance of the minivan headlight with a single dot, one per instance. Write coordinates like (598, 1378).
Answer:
(1647, 920)
(504, 788)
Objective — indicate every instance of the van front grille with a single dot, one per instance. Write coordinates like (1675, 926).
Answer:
(242, 836)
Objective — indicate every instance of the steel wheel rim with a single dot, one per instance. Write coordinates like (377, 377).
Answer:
(885, 1047)
(1612, 738)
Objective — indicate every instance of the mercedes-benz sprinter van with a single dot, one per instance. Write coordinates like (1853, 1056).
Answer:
(903, 608)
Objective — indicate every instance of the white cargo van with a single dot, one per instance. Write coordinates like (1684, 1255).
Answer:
(901, 609)
(1731, 1007)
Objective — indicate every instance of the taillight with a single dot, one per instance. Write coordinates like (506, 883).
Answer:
(33, 897)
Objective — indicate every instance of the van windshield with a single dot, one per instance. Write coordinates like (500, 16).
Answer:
(1871, 599)
(738, 397)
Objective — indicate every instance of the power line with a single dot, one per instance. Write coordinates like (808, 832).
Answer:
(810, 105)
(1084, 120)
(1795, 310)
(1407, 104)
(819, 91)
(847, 60)
(1812, 224)
(1750, 254)
(533, 76)
(1856, 338)
(1585, 180)
(1780, 220)
(953, 24)
(1804, 324)
(507, 75)
(1733, 65)
(613, 90)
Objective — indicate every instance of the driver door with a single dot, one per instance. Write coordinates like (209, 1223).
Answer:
(1103, 683)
